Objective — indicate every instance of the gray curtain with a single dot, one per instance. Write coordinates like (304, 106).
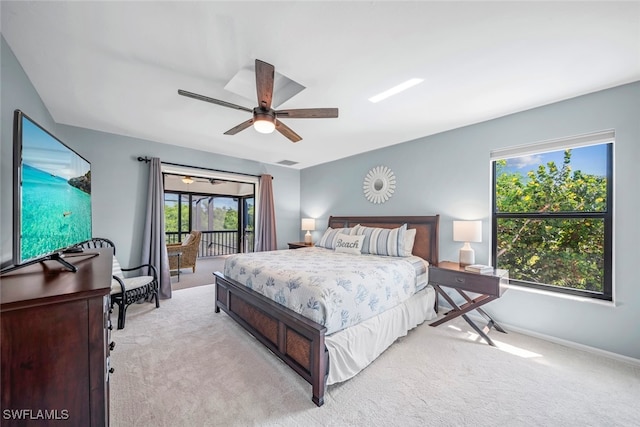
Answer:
(266, 227)
(154, 248)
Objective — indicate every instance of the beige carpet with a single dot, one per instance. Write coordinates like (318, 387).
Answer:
(184, 365)
(202, 276)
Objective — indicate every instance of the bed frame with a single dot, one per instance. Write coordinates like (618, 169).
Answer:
(298, 341)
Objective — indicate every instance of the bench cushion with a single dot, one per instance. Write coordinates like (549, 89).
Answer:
(130, 283)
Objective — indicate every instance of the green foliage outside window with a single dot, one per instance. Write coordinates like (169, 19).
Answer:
(550, 225)
(171, 218)
(250, 215)
(222, 218)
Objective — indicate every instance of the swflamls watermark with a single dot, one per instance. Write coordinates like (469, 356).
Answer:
(35, 414)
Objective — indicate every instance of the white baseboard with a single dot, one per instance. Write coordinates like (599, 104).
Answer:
(566, 343)
(572, 344)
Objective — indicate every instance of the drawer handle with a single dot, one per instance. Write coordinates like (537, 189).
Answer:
(112, 345)
(459, 279)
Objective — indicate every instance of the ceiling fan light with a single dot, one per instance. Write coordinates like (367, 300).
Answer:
(187, 180)
(264, 126)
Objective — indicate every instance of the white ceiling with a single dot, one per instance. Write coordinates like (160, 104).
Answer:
(116, 66)
(204, 185)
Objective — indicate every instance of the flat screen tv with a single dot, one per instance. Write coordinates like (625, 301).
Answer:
(52, 194)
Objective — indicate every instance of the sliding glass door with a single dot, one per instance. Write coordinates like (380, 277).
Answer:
(176, 217)
(226, 221)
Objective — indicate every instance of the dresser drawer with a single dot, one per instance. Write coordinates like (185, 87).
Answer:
(472, 282)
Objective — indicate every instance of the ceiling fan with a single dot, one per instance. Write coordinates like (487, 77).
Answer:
(187, 179)
(265, 119)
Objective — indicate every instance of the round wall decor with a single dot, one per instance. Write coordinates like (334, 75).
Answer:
(379, 184)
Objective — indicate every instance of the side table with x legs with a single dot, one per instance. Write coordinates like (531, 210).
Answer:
(488, 287)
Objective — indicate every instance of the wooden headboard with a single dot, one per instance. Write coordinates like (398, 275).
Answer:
(426, 243)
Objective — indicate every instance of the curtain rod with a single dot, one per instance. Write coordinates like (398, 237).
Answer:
(148, 159)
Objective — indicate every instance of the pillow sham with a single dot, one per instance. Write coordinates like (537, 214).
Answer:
(350, 244)
(328, 239)
(384, 241)
(409, 240)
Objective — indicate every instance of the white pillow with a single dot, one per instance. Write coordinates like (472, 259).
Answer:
(349, 244)
(187, 239)
(409, 239)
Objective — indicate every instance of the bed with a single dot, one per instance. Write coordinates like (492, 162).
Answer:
(309, 346)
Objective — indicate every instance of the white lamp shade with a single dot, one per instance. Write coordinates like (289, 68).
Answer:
(308, 224)
(467, 231)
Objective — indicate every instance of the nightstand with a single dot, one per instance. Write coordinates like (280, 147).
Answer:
(298, 245)
(488, 287)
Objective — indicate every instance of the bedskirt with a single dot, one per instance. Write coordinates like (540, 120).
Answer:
(372, 336)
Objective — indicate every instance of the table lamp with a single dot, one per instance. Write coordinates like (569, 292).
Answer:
(467, 231)
(308, 225)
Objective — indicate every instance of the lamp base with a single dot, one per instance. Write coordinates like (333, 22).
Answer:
(307, 238)
(467, 255)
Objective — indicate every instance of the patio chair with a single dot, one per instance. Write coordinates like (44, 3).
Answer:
(188, 249)
(127, 290)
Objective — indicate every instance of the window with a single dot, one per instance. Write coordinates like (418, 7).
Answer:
(552, 215)
(176, 216)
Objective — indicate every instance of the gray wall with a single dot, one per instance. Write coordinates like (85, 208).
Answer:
(119, 181)
(449, 174)
(17, 93)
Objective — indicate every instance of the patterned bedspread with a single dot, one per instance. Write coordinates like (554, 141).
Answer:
(334, 289)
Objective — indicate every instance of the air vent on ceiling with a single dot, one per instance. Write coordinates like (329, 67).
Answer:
(287, 162)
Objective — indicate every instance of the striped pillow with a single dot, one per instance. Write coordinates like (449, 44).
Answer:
(330, 236)
(383, 241)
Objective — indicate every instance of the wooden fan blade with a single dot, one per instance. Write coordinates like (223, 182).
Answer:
(286, 131)
(308, 113)
(265, 73)
(213, 101)
(240, 127)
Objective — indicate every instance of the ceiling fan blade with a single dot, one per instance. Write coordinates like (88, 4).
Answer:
(242, 126)
(308, 113)
(286, 131)
(213, 101)
(265, 74)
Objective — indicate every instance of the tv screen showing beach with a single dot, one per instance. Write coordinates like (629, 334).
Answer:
(55, 194)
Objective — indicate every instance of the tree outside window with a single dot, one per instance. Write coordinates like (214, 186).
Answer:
(552, 219)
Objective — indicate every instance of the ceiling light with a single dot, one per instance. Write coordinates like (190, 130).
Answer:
(264, 126)
(395, 90)
(264, 121)
(187, 180)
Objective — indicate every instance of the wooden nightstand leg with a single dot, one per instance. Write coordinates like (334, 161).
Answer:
(490, 322)
(451, 314)
(478, 330)
(469, 306)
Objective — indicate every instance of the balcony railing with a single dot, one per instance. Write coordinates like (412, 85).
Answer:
(214, 243)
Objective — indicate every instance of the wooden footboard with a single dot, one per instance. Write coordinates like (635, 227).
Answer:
(298, 341)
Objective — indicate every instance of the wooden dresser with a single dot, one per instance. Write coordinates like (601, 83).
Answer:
(56, 331)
